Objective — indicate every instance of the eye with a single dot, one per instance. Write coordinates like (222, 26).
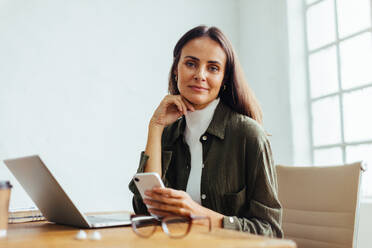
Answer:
(214, 68)
(190, 64)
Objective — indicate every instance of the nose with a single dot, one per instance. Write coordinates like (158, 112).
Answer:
(200, 74)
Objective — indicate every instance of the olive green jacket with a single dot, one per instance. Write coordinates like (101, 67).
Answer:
(238, 178)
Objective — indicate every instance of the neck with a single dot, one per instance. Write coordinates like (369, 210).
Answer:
(201, 106)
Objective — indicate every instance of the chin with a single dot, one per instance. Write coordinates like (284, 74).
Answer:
(198, 99)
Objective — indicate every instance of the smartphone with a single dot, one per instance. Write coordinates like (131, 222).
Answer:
(147, 181)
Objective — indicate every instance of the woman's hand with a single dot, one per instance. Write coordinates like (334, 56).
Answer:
(167, 201)
(170, 109)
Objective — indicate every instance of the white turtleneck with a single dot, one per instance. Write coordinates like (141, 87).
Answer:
(197, 123)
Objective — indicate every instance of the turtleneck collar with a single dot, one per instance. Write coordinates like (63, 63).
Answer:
(198, 121)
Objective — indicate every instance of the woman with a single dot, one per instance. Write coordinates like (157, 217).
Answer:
(206, 142)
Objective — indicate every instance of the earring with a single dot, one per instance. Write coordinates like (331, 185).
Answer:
(224, 87)
(175, 78)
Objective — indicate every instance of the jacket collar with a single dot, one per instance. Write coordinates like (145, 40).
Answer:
(216, 127)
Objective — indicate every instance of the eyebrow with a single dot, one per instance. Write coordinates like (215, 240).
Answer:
(209, 61)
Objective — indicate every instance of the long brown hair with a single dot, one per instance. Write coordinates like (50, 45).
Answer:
(235, 91)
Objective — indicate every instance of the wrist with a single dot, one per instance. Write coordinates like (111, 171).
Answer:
(154, 125)
(216, 218)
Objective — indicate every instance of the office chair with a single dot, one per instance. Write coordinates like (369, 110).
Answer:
(320, 204)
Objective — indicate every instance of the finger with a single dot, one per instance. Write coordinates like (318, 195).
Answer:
(160, 213)
(160, 205)
(173, 101)
(160, 199)
(178, 194)
(188, 104)
(167, 212)
(184, 107)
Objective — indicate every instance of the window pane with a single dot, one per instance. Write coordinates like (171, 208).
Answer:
(323, 72)
(357, 115)
(326, 121)
(320, 24)
(358, 153)
(353, 16)
(356, 60)
(329, 156)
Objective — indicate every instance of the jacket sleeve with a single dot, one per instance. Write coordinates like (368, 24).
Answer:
(263, 214)
(138, 206)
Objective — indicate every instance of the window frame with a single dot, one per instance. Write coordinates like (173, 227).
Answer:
(340, 92)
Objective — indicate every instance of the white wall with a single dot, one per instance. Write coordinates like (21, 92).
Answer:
(79, 81)
(264, 57)
(298, 90)
(365, 220)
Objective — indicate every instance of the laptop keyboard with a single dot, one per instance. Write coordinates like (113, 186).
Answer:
(108, 218)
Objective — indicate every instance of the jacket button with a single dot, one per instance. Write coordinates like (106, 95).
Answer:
(204, 137)
(203, 196)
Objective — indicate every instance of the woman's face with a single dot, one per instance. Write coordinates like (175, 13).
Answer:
(200, 71)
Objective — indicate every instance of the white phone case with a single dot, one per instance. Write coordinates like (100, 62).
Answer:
(146, 181)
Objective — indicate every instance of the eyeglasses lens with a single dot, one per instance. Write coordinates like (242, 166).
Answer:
(175, 226)
(144, 226)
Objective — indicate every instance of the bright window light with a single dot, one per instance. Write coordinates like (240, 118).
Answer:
(320, 24)
(339, 58)
(353, 16)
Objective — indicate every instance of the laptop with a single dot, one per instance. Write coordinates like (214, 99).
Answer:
(52, 200)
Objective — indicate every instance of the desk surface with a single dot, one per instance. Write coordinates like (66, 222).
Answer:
(45, 234)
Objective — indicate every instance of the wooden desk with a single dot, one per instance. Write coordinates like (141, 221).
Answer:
(45, 234)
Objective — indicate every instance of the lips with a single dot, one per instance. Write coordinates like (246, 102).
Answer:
(198, 88)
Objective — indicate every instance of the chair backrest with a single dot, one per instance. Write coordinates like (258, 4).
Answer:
(320, 204)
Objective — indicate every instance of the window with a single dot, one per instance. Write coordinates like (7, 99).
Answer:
(339, 58)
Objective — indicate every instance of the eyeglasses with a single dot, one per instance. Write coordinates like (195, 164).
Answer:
(174, 226)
